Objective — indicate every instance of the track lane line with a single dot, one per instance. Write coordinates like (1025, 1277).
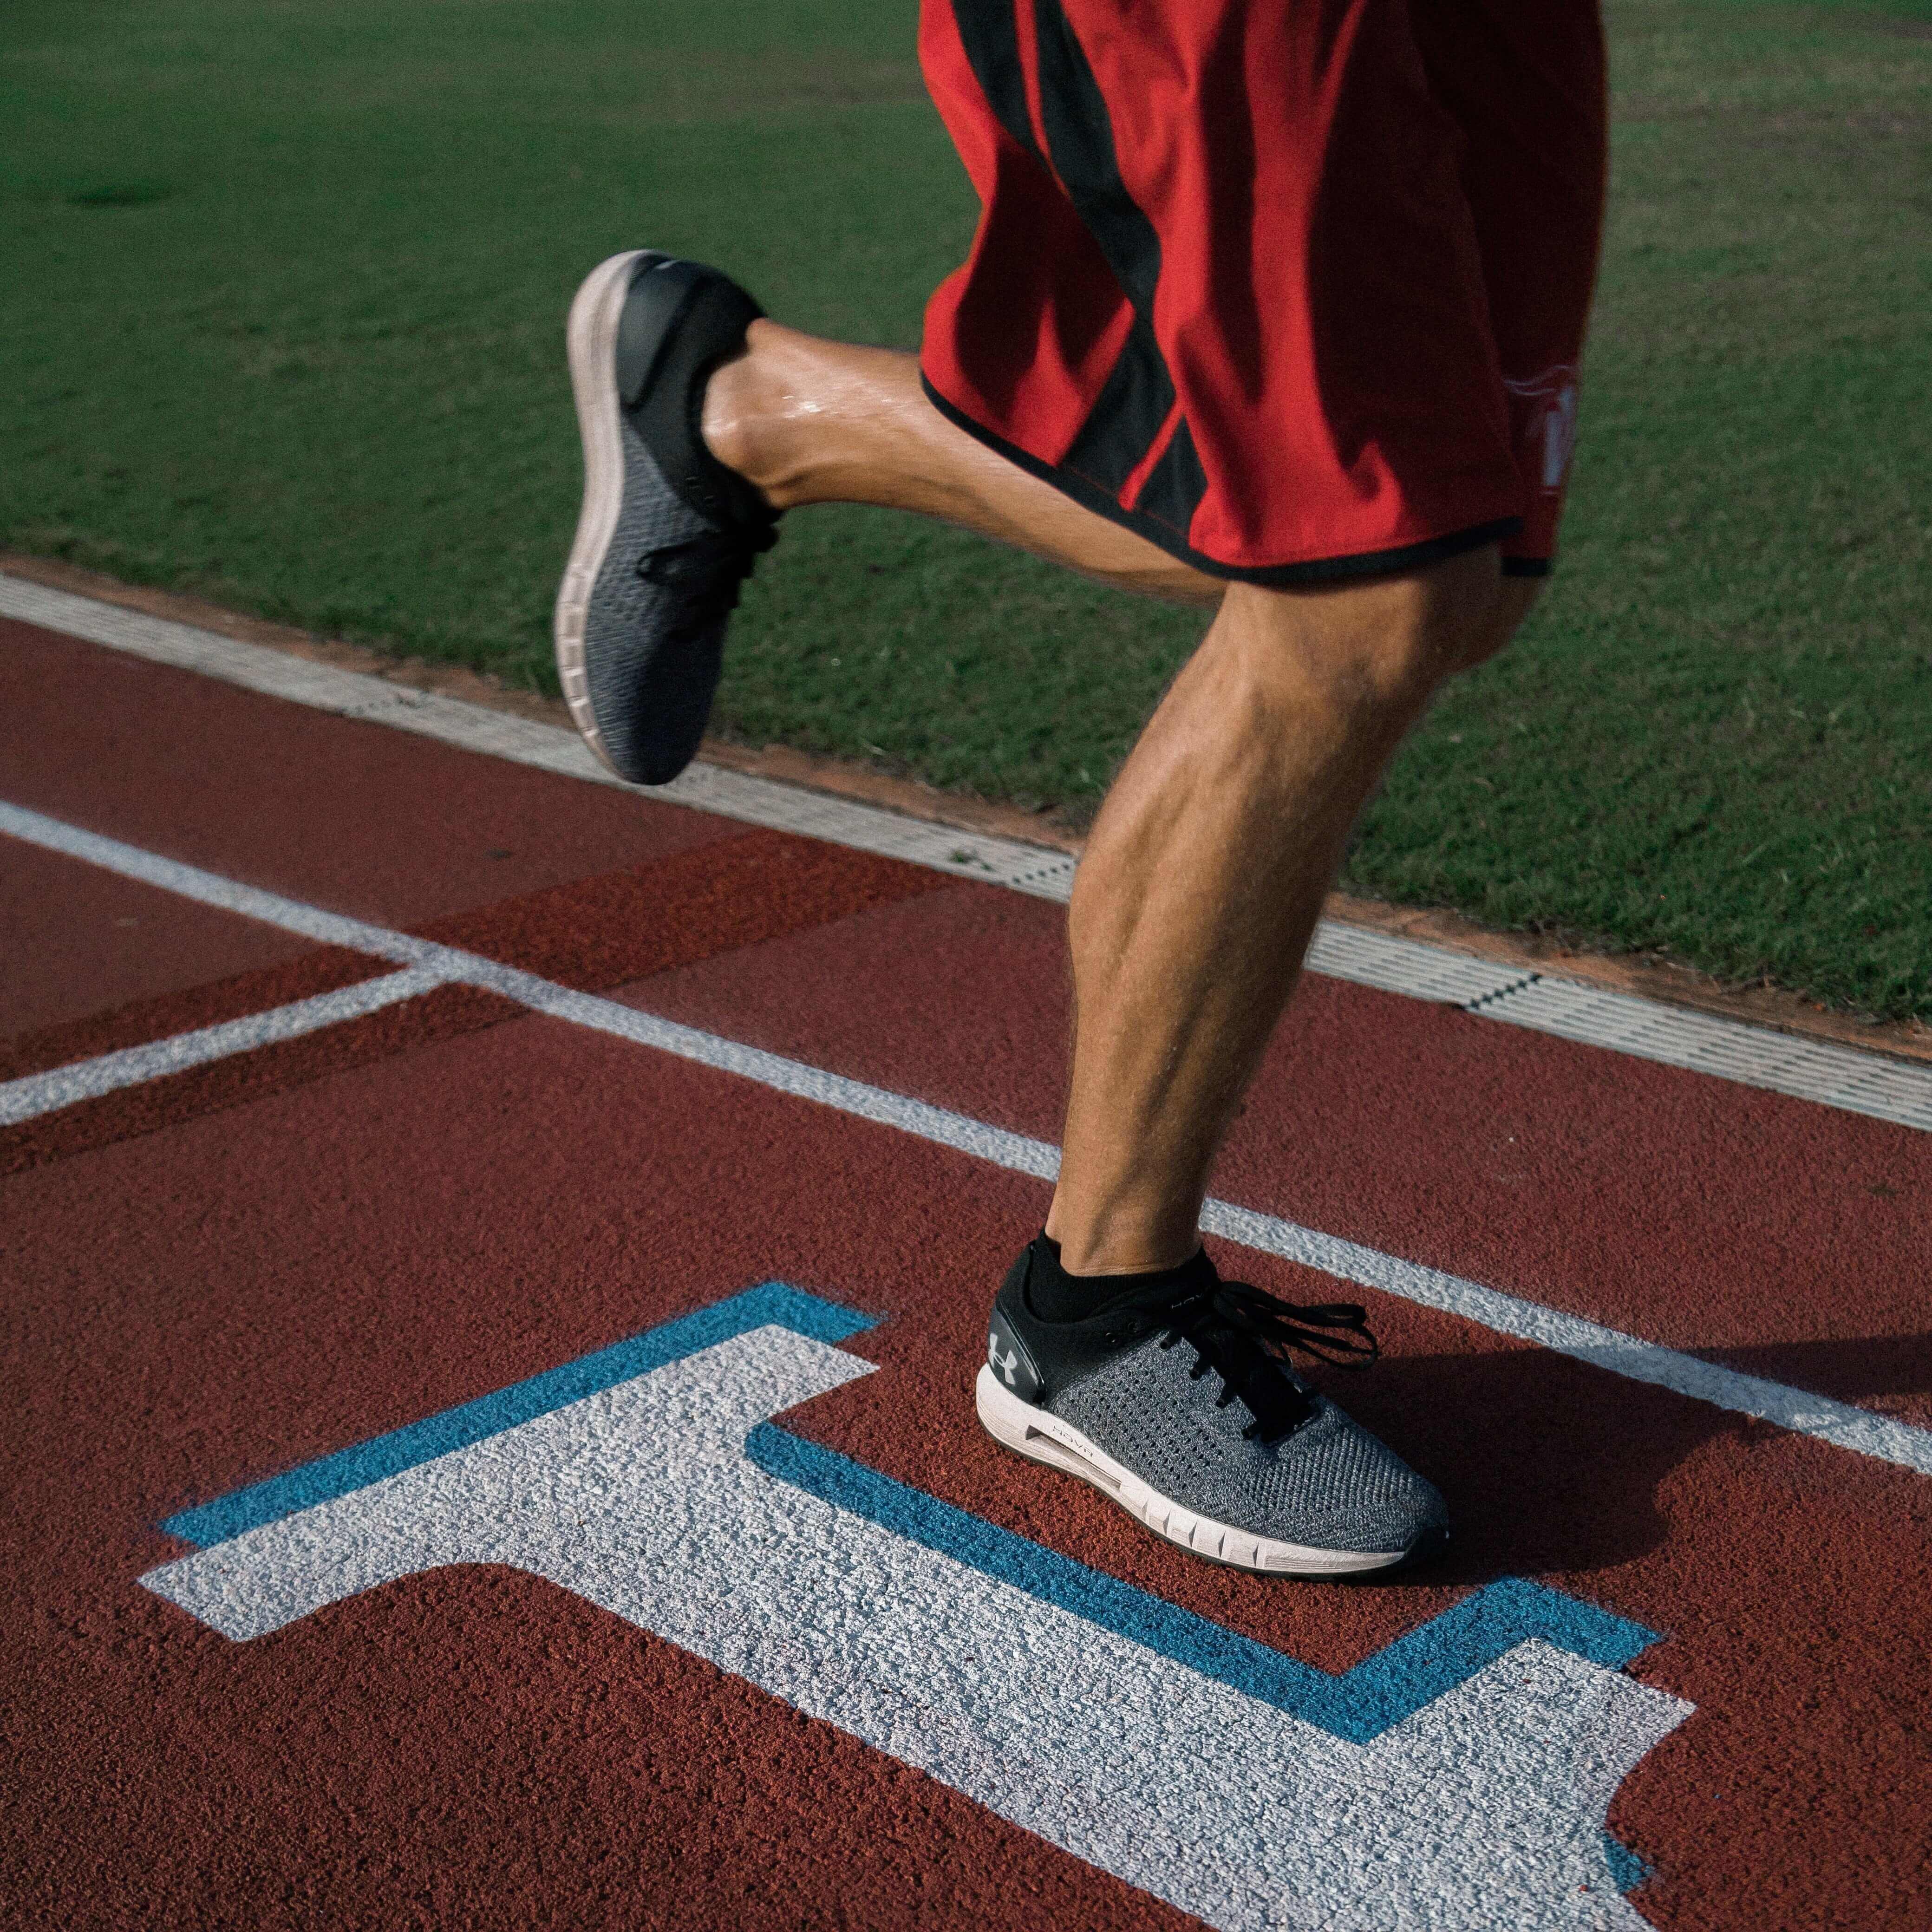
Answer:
(1843, 1425)
(212, 889)
(34, 1094)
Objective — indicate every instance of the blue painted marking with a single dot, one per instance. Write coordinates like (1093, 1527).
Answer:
(355, 1468)
(1629, 1868)
(1378, 1692)
(1360, 1705)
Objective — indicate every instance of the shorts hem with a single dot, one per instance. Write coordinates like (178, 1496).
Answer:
(1281, 576)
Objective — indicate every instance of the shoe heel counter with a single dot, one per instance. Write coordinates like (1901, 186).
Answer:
(1012, 1360)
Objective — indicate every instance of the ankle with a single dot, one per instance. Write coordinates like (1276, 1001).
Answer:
(1100, 1247)
(760, 414)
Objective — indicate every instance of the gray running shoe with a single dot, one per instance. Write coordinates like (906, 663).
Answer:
(668, 534)
(1174, 1403)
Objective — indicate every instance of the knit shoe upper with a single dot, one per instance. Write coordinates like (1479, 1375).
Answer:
(1182, 1389)
(668, 535)
(1327, 1485)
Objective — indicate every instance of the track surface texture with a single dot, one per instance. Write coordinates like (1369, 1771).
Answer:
(470, 1466)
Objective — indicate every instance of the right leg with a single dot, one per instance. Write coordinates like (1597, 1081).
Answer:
(1205, 872)
(812, 421)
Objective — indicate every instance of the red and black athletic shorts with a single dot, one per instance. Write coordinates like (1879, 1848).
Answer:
(1295, 288)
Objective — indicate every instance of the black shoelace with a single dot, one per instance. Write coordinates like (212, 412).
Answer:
(703, 575)
(1244, 1334)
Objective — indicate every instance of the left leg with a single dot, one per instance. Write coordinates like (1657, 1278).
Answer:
(813, 421)
(1191, 909)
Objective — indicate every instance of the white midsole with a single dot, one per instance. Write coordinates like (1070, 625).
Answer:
(591, 337)
(1041, 1435)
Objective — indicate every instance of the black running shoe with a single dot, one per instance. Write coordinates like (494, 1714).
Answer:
(1175, 1402)
(668, 534)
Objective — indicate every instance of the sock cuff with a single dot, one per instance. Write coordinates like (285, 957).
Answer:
(1054, 1295)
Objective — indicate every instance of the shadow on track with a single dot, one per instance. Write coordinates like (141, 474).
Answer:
(1542, 1473)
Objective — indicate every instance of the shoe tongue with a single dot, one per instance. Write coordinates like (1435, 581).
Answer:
(1270, 1392)
(1271, 1395)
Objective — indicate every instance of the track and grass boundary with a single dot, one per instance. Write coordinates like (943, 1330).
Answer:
(1828, 1074)
(1659, 981)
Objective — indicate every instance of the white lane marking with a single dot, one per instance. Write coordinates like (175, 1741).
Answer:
(212, 889)
(36, 1094)
(1485, 1807)
(1826, 1074)
(1842, 1424)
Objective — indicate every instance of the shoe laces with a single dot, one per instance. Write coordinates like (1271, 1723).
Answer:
(702, 576)
(1243, 1334)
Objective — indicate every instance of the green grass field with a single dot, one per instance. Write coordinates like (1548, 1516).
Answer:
(281, 319)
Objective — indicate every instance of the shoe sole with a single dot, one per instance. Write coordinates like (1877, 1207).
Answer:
(1043, 1437)
(591, 339)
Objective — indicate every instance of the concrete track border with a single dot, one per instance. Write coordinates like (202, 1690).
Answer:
(1829, 1075)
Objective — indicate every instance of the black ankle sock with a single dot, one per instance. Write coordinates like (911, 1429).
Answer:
(1054, 1295)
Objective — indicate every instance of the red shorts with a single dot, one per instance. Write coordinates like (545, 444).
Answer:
(1295, 288)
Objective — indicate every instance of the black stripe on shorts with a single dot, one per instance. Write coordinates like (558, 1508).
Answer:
(1138, 395)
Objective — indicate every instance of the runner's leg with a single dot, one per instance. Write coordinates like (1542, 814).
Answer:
(1201, 882)
(1225, 307)
(813, 421)
(1206, 868)
(1208, 864)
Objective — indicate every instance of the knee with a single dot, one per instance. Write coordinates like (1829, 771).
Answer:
(1376, 652)
(1441, 621)
(1514, 597)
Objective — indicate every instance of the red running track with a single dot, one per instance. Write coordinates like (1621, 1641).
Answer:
(228, 1272)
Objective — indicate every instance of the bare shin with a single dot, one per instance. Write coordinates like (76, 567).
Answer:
(1207, 867)
(1206, 870)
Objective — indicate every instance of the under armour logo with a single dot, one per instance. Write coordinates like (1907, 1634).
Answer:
(1007, 1365)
